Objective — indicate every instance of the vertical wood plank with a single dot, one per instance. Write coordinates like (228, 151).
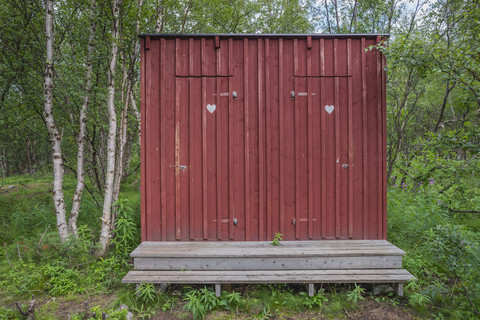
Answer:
(261, 142)
(204, 142)
(384, 138)
(247, 140)
(379, 99)
(268, 137)
(143, 107)
(177, 147)
(163, 124)
(351, 167)
(338, 164)
(323, 139)
(297, 143)
(191, 141)
(310, 176)
(218, 134)
(231, 173)
(281, 135)
(364, 135)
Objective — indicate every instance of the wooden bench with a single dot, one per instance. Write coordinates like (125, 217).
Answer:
(397, 277)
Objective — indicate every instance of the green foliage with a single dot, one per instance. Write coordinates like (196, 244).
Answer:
(356, 294)
(276, 239)
(60, 280)
(9, 314)
(317, 301)
(98, 312)
(441, 246)
(200, 302)
(127, 233)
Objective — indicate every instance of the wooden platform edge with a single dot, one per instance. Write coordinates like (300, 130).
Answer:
(396, 277)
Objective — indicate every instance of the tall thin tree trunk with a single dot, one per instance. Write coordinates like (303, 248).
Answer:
(54, 133)
(160, 25)
(112, 130)
(328, 19)
(82, 135)
(136, 112)
(122, 135)
(336, 15)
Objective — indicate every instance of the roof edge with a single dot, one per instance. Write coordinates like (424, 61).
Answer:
(263, 35)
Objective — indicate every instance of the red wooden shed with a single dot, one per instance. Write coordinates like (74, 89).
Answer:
(244, 136)
(247, 136)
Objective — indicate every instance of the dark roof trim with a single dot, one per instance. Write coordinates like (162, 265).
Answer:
(263, 35)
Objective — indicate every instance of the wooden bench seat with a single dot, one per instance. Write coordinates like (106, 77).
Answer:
(394, 276)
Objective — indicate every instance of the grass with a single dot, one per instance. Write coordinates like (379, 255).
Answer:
(442, 250)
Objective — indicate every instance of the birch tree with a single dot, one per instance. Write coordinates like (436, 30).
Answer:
(53, 131)
(112, 132)
(82, 135)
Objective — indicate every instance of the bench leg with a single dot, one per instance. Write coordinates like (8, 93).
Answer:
(398, 287)
(218, 289)
(311, 289)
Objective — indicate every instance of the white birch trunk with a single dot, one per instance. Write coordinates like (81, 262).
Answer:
(77, 196)
(55, 136)
(112, 130)
(128, 84)
(136, 112)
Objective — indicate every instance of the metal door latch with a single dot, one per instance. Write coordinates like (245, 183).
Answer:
(235, 221)
(181, 167)
(345, 166)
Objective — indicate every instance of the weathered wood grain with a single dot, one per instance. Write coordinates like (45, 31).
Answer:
(262, 263)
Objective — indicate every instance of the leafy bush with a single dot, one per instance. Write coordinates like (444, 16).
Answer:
(62, 281)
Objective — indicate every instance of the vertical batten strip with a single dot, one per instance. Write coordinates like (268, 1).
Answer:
(323, 139)
(163, 123)
(267, 137)
(218, 140)
(281, 135)
(261, 143)
(204, 141)
(231, 172)
(247, 140)
(177, 146)
(310, 139)
(351, 167)
(384, 143)
(364, 135)
(297, 143)
(143, 173)
(338, 164)
(379, 144)
(191, 138)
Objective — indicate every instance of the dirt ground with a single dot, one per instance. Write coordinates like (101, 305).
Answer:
(62, 308)
(367, 310)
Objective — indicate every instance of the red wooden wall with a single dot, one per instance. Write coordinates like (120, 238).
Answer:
(300, 149)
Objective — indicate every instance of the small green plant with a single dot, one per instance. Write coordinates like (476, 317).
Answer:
(276, 239)
(317, 301)
(231, 300)
(356, 294)
(146, 293)
(196, 302)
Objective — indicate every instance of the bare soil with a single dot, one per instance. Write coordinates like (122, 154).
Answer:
(64, 308)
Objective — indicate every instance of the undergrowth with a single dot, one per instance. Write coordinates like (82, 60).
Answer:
(442, 252)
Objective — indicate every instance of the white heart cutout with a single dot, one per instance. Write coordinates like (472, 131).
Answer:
(329, 109)
(211, 107)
